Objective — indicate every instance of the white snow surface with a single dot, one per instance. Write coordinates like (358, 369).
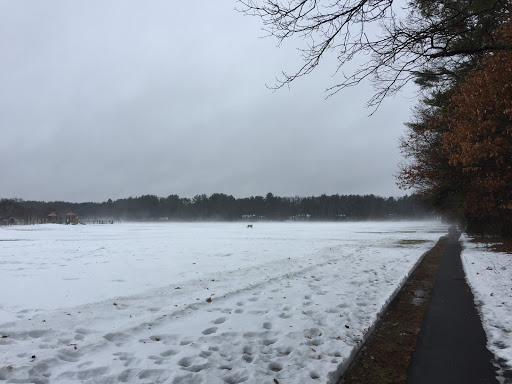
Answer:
(127, 303)
(489, 274)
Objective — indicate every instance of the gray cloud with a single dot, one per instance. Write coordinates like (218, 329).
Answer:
(110, 99)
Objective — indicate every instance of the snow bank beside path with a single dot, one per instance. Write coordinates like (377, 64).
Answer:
(489, 274)
(198, 303)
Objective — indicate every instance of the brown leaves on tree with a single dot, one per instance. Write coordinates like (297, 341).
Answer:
(460, 155)
(479, 138)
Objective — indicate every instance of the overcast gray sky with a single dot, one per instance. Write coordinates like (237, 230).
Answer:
(110, 99)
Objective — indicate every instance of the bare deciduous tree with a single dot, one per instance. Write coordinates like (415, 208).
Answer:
(421, 39)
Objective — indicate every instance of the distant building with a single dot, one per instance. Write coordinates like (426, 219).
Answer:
(301, 217)
(52, 218)
(71, 218)
(7, 221)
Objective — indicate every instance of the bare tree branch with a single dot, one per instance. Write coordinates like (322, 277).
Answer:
(441, 34)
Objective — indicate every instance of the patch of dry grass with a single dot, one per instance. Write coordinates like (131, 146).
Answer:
(412, 242)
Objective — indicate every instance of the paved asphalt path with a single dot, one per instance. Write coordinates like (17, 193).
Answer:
(451, 344)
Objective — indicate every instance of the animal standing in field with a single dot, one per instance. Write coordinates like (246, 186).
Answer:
(249, 225)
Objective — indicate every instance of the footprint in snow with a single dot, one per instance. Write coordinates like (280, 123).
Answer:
(128, 375)
(170, 352)
(314, 375)
(186, 341)
(248, 350)
(268, 342)
(209, 331)
(156, 375)
(36, 334)
(275, 366)
(116, 337)
(187, 379)
(247, 358)
(186, 361)
(205, 354)
(236, 378)
(285, 350)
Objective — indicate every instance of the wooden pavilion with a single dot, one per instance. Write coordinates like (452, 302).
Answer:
(71, 218)
(52, 217)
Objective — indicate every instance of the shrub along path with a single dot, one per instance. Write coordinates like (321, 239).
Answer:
(431, 332)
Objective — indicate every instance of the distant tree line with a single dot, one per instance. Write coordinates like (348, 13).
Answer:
(224, 207)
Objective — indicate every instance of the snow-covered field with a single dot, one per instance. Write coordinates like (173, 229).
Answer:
(196, 303)
(490, 276)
